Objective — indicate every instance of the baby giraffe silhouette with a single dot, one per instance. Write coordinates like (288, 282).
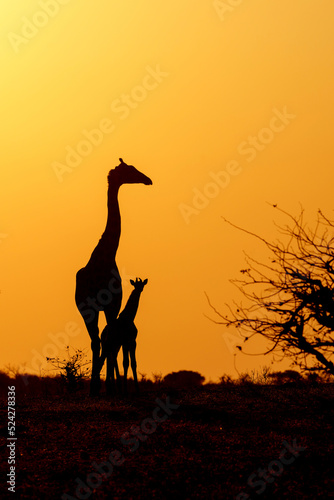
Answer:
(125, 337)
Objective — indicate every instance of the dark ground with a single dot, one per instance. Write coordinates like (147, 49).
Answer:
(207, 448)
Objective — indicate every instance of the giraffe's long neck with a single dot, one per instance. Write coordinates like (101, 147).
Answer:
(130, 310)
(103, 258)
(111, 235)
(114, 216)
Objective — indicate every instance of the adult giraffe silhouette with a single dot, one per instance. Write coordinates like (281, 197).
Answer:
(98, 284)
(124, 335)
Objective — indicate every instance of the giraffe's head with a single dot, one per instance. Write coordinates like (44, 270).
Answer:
(138, 284)
(127, 174)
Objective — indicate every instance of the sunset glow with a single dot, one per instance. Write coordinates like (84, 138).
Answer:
(226, 110)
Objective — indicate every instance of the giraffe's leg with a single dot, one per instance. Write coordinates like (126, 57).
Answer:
(112, 368)
(134, 365)
(90, 316)
(118, 377)
(113, 344)
(93, 330)
(110, 379)
(105, 340)
(125, 367)
(107, 355)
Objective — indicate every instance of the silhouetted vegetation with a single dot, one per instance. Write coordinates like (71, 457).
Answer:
(59, 384)
(184, 378)
(31, 385)
(288, 376)
(290, 297)
(72, 370)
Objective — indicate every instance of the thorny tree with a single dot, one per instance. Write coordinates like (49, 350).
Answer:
(290, 299)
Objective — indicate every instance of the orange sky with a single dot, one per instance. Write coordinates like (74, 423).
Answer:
(225, 108)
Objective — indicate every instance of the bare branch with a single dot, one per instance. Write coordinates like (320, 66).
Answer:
(290, 299)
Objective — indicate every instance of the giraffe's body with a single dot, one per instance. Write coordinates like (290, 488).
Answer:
(98, 284)
(125, 336)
